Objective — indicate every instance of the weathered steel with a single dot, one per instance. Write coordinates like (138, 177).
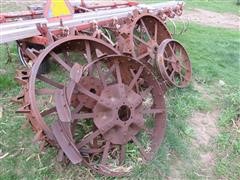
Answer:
(119, 115)
(85, 46)
(23, 31)
(173, 63)
(95, 84)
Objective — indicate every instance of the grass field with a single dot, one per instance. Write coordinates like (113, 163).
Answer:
(215, 58)
(228, 6)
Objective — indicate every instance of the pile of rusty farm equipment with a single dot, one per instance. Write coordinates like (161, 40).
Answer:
(95, 76)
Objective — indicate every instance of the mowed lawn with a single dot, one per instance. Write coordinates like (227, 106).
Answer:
(215, 58)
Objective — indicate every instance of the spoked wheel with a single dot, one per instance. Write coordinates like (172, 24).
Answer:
(24, 57)
(129, 115)
(174, 64)
(146, 35)
(40, 90)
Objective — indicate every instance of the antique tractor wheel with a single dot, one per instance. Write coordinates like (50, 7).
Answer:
(146, 34)
(39, 89)
(174, 64)
(128, 114)
(24, 52)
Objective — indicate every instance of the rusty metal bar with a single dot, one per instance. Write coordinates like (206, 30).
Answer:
(30, 30)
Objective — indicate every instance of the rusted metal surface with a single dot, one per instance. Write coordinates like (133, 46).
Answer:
(95, 91)
(28, 29)
(37, 10)
(38, 101)
(129, 93)
(173, 63)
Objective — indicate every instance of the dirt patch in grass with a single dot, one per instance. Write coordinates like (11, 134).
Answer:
(209, 18)
(204, 132)
(203, 92)
(205, 127)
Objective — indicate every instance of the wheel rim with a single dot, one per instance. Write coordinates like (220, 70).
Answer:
(174, 64)
(42, 88)
(118, 117)
(147, 33)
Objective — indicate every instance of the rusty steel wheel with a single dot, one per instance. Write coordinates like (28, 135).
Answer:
(174, 64)
(39, 89)
(146, 34)
(129, 115)
(26, 51)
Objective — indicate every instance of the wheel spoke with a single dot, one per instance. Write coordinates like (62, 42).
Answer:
(135, 78)
(88, 52)
(78, 108)
(101, 75)
(182, 77)
(166, 54)
(89, 56)
(83, 116)
(174, 48)
(45, 91)
(173, 53)
(183, 66)
(94, 96)
(143, 56)
(105, 153)
(88, 93)
(118, 72)
(146, 30)
(169, 60)
(143, 153)
(60, 61)
(142, 41)
(67, 59)
(48, 111)
(88, 139)
(137, 86)
(122, 154)
(172, 75)
(50, 81)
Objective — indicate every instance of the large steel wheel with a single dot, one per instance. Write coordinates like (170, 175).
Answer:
(174, 64)
(39, 89)
(128, 115)
(146, 34)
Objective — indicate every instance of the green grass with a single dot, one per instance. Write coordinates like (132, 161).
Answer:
(228, 141)
(214, 53)
(215, 56)
(221, 6)
(228, 6)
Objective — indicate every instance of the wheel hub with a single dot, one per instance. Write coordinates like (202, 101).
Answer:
(123, 117)
(176, 64)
